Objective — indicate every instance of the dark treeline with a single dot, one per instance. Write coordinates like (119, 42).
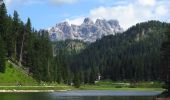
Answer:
(165, 63)
(131, 56)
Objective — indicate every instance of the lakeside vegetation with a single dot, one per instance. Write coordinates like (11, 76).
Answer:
(113, 86)
(126, 86)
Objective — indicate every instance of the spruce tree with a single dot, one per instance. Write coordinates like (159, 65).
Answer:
(3, 33)
(76, 80)
(2, 55)
(15, 34)
(3, 22)
(9, 37)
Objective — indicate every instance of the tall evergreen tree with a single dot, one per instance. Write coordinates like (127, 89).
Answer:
(25, 42)
(76, 80)
(3, 22)
(2, 55)
(15, 34)
(9, 37)
(3, 35)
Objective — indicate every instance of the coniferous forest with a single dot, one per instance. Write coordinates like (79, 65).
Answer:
(139, 54)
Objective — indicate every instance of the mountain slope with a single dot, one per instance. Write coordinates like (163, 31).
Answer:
(15, 76)
(68, 46)
(87, 31)
(132, 55)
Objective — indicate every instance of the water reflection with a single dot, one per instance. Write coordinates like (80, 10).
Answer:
(81, 95)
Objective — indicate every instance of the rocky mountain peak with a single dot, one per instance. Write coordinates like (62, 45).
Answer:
(100, 22)
(62, 24)
(88, 21)
(88, 31)
(1, 2)
(113, 23)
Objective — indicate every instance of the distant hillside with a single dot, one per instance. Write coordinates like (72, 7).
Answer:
(15, 76)
(68, 46)
(133, 55)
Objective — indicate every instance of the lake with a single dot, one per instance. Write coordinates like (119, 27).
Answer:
(82, 95)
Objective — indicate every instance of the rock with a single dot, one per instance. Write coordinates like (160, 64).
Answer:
(162, 99)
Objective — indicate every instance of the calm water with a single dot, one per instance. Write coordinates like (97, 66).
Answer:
(81, 95)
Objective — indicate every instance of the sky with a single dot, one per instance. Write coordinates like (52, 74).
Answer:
(47, 13)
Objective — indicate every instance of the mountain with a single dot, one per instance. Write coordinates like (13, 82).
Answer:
(88, 31)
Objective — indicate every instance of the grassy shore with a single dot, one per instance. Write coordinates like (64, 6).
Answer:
(55, 88)
(68, 88)
(91, 87)
(103, 85)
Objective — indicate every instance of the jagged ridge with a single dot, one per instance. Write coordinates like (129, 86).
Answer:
(87, 31)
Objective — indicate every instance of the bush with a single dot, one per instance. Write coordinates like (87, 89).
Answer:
(132, 86)
(118, 86)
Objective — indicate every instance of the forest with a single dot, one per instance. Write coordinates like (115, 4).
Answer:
(139, 54)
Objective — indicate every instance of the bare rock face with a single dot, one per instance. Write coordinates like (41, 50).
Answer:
(1, 2)
(88, 31)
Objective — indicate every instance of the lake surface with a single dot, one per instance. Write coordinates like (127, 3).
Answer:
(82, 95)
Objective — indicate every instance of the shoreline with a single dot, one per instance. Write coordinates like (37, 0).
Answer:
(64, 90)
(30, 91)
(25, 91)
(162, 99)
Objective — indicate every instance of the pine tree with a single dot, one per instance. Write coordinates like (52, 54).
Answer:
(2, 55)
(9, 38)
(3, 33)
(15, 34)
(25, 42)
(3, 22)
(76, 80)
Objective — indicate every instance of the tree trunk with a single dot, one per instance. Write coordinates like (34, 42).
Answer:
(21, 53)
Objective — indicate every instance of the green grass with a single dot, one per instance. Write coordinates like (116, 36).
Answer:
(13, 76)
(125, 86)
(93, 87)
(140, 84)
(36, 87)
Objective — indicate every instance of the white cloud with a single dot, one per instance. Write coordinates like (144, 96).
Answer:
(132, 13)
(22, 2)
(60, 2)
(124, 14)
(75, 21)
(28, 2)
(8, 2)
(161, 10)
(147, 2)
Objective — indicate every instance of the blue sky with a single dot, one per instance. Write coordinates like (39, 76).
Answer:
(46, 13)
